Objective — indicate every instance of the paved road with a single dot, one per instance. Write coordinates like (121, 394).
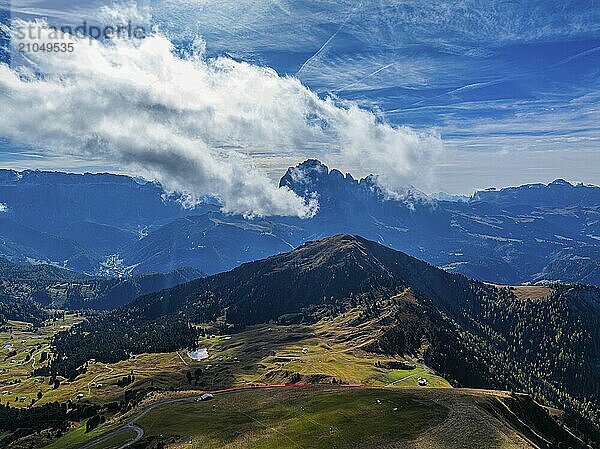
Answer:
(139, 433)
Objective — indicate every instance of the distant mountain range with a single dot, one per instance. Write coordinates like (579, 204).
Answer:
(111, 224)
(543, 340)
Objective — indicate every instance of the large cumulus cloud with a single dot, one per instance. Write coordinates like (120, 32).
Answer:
(195, 124)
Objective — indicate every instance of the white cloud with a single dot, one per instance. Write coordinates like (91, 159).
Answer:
(196, 124)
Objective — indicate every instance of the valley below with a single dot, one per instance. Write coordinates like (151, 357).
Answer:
(278, 386)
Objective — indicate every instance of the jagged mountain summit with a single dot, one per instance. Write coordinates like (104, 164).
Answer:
(337, 192)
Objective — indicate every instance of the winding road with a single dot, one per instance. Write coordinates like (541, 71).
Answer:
(131, 425)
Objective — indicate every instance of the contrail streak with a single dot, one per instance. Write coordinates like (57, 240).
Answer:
(320, 50)
(381, 69)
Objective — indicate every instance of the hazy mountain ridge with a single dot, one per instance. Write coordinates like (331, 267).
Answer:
(214, 241)
(74, 220)
(518, 234)
(558, 193)
(477, 238)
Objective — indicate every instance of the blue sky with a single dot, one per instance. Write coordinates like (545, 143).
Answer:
(512, 88)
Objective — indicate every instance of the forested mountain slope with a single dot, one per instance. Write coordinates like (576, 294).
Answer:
(543, 340)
